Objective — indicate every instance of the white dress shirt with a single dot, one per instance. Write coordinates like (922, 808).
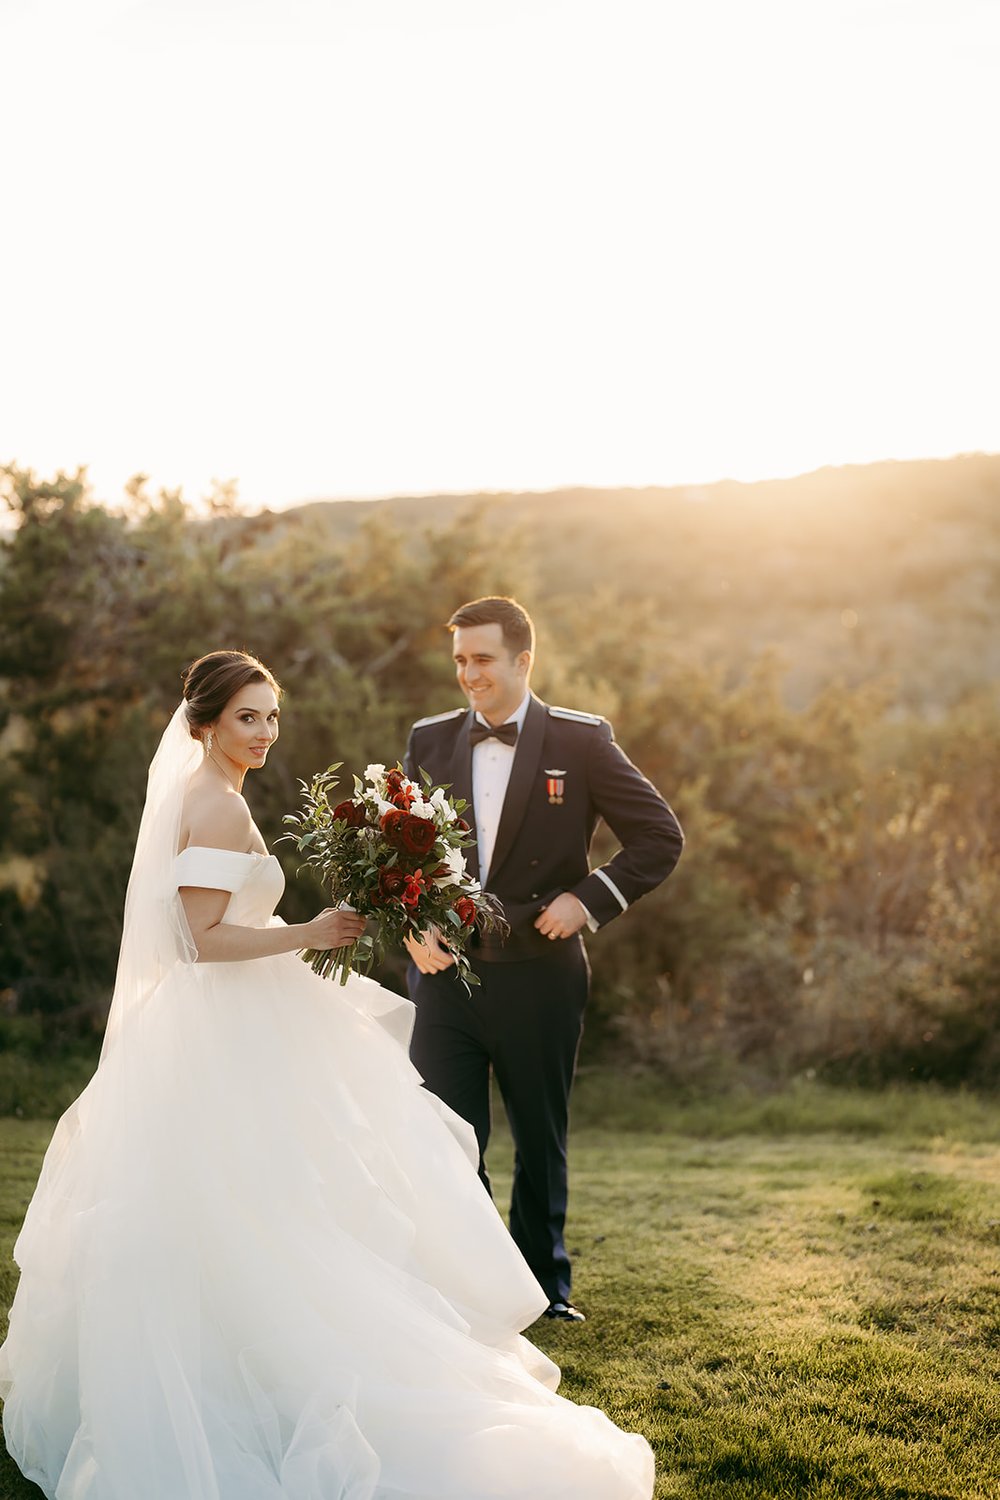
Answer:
(492, 762)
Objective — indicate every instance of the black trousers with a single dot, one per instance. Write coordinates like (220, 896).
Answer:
(524, 1021)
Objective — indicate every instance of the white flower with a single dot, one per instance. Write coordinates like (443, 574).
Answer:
(373, 773)
(421, 809)
(440, 804)
(454, 859)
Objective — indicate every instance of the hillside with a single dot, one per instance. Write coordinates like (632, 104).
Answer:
(836, 905)
(884, 569)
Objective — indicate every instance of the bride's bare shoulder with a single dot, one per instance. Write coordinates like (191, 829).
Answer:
(215, 817)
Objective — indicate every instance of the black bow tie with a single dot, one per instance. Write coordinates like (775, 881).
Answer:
(505, 732)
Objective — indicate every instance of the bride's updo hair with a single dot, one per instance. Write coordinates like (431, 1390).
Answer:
(212, 680)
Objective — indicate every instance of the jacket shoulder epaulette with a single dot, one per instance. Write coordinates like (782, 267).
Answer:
(575, 716)
(453, 713)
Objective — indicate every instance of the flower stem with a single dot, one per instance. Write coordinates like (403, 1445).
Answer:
(327, 961)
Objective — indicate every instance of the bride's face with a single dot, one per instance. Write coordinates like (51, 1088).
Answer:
(248, 726)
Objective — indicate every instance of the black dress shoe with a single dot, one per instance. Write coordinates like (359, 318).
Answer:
(565, 1312)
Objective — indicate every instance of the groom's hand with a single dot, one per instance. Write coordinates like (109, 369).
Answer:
(562, 917)
(428, 952)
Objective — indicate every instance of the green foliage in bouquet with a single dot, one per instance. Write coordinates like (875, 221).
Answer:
(392, 852)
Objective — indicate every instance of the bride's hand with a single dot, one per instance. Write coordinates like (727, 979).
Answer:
(333, 929)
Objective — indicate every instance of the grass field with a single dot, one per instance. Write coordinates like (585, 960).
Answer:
(794, 1295)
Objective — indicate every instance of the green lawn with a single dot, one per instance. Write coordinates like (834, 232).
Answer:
(794, 1295)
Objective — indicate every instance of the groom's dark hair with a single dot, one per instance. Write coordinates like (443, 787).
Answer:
(497, 609)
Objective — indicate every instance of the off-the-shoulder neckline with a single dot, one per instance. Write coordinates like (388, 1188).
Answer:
(211, 849)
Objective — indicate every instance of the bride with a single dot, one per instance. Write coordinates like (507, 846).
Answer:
(259, 1262)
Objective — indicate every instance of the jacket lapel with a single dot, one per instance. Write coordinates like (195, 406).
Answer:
(522, 779)
(461, 787)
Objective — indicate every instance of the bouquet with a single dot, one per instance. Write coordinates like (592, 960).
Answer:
(392, 852)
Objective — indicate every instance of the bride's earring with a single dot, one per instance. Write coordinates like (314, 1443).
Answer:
(208, 743)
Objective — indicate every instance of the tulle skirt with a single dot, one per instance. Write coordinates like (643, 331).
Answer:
(259, 1264)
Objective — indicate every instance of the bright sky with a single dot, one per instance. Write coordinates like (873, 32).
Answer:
(364, 247)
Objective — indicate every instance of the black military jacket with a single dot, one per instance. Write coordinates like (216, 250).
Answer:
(568, 772)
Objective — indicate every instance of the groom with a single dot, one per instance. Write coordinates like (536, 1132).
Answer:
(537, 779)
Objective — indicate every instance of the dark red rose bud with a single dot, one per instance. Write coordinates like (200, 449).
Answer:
(398, 792)
(353, 815)
(466, 909)
(392, 826)
(391, 881)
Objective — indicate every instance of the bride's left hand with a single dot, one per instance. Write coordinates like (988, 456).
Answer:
(336, 927)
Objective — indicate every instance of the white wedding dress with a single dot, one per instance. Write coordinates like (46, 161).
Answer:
(259, 1263)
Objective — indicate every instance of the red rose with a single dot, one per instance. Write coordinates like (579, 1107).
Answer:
(352, 814)
(391, 881)
(466, 909)
(403, 831)
(392, 826)
(418, 835)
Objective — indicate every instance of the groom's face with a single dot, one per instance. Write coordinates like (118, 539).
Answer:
(493, 680)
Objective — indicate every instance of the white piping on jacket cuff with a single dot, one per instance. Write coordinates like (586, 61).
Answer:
(612, 888)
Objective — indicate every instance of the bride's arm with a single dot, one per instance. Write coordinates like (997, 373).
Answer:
(227, 825)
(222, 942)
